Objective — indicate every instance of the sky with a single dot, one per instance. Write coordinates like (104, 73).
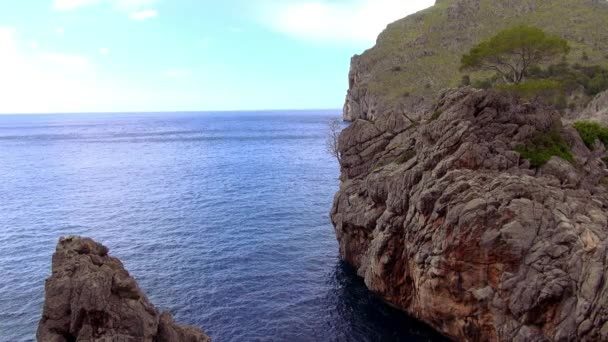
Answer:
(60, 56)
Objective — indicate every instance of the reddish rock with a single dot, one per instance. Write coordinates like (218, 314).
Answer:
(446, 221)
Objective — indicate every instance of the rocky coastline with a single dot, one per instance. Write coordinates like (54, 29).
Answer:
(438, 211)
(443, 219)
(91, 297)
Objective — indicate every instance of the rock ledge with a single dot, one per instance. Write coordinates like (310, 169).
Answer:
(91, 297)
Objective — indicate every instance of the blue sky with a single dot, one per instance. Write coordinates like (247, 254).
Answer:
(174, 55)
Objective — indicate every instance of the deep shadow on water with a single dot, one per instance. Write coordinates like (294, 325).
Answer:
(365, 317)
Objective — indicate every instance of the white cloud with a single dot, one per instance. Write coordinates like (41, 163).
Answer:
(8, 48)
(33, 44)
(358, 21)
(66, 61)
(143, 14)
(41, 81)
(60, 30)
(104, 51)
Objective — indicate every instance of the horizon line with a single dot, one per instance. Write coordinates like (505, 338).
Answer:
(169, 111)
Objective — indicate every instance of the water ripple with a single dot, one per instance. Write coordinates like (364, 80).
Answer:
(222, 218)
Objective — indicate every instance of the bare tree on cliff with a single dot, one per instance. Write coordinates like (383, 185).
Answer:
(512, 52)
(331, 143)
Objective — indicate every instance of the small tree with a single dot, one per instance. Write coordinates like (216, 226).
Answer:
(512, 52)
(333, 134)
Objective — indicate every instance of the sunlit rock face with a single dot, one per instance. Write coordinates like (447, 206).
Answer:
(91, 297)
(596, 110)
(443, 219)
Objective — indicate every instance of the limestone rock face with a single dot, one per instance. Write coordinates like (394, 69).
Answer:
(91, 297)
(597, 109)
(443, 219)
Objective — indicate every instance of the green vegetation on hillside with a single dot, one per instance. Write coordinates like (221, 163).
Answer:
(427, 46)
(516, 56)
(560, 85)
(512, 52)
(592, 79)
(533, 88)
(590, 132)
(544, 146)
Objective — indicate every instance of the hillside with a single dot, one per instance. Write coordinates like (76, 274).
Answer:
(480, 213)
(418, 56)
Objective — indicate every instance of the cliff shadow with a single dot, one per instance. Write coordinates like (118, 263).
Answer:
(359, 315)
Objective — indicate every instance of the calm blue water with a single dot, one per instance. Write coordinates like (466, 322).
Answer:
(221, 217)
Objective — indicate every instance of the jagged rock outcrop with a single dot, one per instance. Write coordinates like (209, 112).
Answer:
(597, 109)
(91, 297)
(418, 56)
(443, 219)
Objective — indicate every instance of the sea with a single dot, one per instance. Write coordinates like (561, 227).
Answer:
(222, 218)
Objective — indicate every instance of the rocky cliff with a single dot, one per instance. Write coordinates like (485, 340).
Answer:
(418, 56)
(444, 219)
(91, 297)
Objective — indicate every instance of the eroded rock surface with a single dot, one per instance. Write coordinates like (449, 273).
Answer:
(597, 110)
(91, 297)
(443, 219)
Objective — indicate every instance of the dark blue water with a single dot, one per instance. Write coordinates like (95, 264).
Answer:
(221, 217)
